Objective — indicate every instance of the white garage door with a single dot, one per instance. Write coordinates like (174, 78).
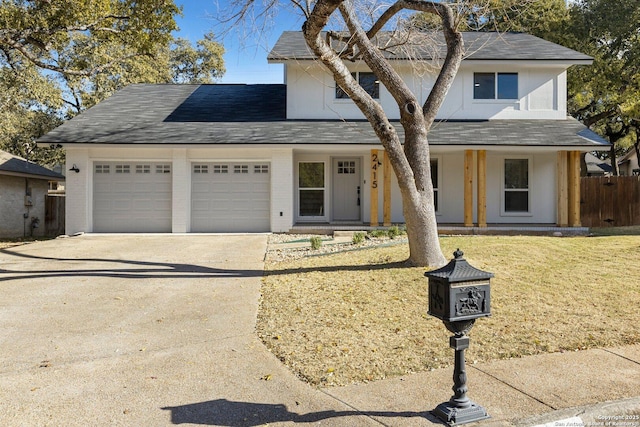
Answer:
(131, 197)
(230, 197)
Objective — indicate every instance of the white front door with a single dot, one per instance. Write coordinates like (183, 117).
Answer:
(346, 190)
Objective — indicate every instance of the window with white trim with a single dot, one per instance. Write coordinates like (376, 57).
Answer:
(346, 167)
(143, 168)
(123, 169)
(495, 85)
(240, 168)
(516, 186)
(200, 168)
(311, 188)
(220, 168)
(435, 181)
(102, 168)
(367, 80)
(163, 168)
(260, 168)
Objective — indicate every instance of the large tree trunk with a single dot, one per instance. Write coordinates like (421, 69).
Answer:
(418, 207)
(615, 170)
(411, 161)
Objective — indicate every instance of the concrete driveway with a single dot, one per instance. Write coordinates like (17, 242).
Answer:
(144, 330)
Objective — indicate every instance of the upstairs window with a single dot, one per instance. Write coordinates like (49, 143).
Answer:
(368, 81)
(495, 85)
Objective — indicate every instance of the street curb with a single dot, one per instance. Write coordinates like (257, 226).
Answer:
(624, 412)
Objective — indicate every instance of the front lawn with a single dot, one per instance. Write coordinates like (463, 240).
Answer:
(361, 315)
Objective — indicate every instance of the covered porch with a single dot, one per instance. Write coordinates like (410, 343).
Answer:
(475, 194)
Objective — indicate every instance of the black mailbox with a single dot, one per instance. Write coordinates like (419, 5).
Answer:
(459, 291)
(458, 295)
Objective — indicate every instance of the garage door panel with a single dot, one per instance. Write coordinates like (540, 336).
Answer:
(232, 201)
(134, 202)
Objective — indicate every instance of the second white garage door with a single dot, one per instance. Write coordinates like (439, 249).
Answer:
(230, 197)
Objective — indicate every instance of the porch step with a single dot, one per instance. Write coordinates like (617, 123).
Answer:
(447, 229)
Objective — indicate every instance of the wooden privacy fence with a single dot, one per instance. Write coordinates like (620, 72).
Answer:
(612, 201)
(54, 215)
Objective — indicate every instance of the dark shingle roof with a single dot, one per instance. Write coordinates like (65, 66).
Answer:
(597, 166)
(17, 166)
(478, 46)
(232, 114)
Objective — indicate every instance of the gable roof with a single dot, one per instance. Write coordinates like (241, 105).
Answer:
(17, 166)
(255, 114)
(489, 46)
(597, 166)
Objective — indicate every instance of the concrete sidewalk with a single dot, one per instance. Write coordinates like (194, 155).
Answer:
(534, 390)
(160, 329)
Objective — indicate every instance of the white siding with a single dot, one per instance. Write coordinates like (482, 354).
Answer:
(282, 190)
(181, 187)
(311, 93)
(78, 191)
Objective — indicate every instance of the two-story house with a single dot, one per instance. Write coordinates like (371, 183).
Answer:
(230, 158)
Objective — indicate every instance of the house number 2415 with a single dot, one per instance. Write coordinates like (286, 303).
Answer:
(375, 163)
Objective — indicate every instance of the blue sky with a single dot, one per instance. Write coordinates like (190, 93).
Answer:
(246, 56)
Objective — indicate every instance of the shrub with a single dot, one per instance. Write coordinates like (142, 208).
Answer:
(316, 242)
(358, 238)
(378, 233)
(393, 231)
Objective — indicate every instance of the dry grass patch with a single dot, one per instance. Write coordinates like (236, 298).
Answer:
(362, 315)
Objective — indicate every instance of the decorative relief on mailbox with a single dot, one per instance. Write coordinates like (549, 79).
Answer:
(437, 299)
(469, 301)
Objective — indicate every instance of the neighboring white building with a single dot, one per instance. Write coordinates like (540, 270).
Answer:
(229, 158)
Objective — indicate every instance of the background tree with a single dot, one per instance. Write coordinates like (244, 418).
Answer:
(201, 64)
(60, 57)
(606, 95)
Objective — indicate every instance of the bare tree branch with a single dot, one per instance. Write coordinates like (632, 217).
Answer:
(592, 120)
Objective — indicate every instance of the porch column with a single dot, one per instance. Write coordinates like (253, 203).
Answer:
(386, 195)
(574, 188)
(563, 190)
(482, 188)
(468, 188)
(373, 183)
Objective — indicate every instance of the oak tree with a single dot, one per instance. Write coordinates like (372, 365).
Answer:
(60, 57)
(363, 35)
(606, 95)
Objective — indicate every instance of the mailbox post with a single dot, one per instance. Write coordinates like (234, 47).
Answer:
(458, 295)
